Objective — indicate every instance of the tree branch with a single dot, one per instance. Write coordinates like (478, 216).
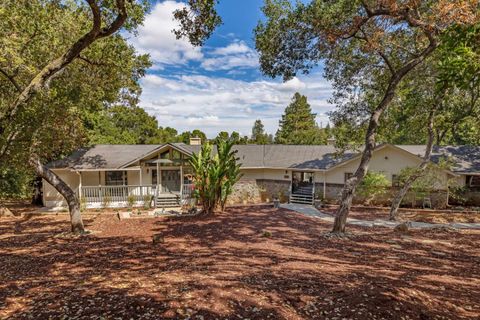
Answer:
(11, 79)
(52, 68)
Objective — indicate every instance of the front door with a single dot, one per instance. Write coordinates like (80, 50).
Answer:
(171, 180)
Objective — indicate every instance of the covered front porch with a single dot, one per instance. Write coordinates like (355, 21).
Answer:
(140, 186)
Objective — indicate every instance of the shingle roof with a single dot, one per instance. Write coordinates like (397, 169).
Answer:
(103, 156)
(466, 159)
(302, 157)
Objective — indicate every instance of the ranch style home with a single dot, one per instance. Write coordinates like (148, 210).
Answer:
(160, 175)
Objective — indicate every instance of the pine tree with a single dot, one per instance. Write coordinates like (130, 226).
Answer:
(298, 125)
(258, 134)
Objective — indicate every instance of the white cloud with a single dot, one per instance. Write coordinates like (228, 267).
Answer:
(156, 38)
(214, 104)
(235, 55)
(233, 48)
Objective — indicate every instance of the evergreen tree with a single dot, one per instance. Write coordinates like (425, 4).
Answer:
(258, 134)
(298, 125)
(234, 137)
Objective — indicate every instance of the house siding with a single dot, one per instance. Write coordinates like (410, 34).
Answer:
(51, 197)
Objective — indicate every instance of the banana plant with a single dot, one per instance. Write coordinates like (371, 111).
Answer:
(215, 175)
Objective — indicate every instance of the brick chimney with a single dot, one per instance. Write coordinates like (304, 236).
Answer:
(195, 141)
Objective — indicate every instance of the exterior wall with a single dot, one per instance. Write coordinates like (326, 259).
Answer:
(133, 178)
(387, 160)
(91, 178)
(268, 174)
(51, 197)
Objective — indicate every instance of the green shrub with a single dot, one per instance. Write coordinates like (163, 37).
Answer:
(106, 201)
(131, 200)
(374, 184)
(147, 201)
(83, 204)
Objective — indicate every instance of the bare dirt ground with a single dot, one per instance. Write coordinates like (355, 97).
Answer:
(250, 262)
(429, 216)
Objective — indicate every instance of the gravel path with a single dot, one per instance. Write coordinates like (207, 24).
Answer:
(311, 211)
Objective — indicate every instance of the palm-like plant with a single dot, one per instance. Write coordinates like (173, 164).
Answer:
(215, 175)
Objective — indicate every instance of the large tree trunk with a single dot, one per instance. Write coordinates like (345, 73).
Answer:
(420, 169)
(352, 183)
(69, 195)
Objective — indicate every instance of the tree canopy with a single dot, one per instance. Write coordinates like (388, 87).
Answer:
(298, 125)
(259, 136)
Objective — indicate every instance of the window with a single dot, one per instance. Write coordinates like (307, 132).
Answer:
(165, 155)
(395, 180)
(348, 175)
(116, 178)
(176, 155)
(473, 181)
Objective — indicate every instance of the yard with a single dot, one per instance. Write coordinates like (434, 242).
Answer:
(251, 262)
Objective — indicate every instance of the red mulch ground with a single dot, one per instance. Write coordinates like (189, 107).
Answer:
(224, 267)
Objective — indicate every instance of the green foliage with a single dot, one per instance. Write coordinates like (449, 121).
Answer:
(298, 125)
(234, 138)
(131, 200)
(259, 136)
(198, 20)
(185, 136)
(215, 175)
(373, 185)
(427, 181)
(121, 125)
(83, 204)
(105, 74)
(147, 201)
(106, 201)
(15, 183)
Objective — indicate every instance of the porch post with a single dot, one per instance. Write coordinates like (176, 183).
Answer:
(141, 182)
(79, 185)
(324, 184)
(181, 182)
(313, 181)
(159, 178)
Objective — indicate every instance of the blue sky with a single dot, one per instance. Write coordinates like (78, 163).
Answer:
(219, 86)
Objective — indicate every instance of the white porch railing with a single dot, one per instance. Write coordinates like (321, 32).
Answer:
(187, 191)
(112, 194)
(100, 196)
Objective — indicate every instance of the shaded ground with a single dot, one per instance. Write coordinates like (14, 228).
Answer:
(226, 267)
(428, 216)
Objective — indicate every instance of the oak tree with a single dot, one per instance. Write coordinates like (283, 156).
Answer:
(358, 41)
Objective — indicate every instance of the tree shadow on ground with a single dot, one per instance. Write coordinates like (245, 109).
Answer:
(224, 266)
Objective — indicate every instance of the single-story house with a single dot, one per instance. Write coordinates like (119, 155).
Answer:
(117, 175)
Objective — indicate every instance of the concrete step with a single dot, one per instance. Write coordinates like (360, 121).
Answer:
(168, 201)
(302, 196)
(298, 201)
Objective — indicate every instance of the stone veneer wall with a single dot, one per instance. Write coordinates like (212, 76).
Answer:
(259, 191)
(275, 188)
(245, 192)
(333, 193)
(264, 190)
